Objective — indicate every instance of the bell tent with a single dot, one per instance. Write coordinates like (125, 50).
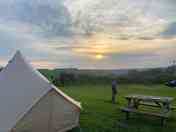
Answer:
(30, 103)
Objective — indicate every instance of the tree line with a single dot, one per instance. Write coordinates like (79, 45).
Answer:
(147, 76)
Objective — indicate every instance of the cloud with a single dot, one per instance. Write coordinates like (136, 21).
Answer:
(44, 64)
(52, 18)
(69, 18)
(116, 52)
(2, 62)
(170, 31)
(67, 33)
(122, 19)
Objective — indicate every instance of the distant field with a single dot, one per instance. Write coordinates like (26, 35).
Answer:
(99, 115)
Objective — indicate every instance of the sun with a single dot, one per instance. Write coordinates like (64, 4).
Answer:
(99, 56)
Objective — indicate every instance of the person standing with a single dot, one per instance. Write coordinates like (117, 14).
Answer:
(114, 91)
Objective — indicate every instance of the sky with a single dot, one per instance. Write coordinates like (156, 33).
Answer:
(89, 34)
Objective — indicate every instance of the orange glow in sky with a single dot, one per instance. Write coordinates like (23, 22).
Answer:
(99, 56)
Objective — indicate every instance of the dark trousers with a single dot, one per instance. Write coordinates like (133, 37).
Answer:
(113, 97)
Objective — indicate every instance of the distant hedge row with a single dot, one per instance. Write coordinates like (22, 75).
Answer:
(150, 76)
(157, 75)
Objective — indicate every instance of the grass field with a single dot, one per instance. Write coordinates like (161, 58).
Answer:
(99, 115)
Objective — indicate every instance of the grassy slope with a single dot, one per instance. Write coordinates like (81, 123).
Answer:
(99, 115)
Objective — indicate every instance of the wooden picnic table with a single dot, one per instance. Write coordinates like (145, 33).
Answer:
(163, 103)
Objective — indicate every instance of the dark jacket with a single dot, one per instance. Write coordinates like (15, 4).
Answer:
(114, 86)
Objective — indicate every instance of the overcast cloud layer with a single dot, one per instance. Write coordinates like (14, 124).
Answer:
(89, 33)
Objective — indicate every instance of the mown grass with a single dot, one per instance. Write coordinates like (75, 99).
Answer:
(99, 115)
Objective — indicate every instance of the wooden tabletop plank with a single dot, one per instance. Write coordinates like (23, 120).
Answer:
(150, 98)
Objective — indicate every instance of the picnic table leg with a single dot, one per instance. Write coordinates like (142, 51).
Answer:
(127, 115)
(130, 103)
(163, 121)
(166, 107)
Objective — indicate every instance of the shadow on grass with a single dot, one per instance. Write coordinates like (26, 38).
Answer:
(110, 102)
(139, 123)
(131, 125)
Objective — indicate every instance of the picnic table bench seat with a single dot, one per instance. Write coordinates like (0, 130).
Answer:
(163, 116)
(163, 103)
(155, 105)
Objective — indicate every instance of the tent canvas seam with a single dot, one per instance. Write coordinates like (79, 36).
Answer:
(31, 107)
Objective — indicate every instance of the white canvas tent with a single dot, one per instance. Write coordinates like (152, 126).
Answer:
(30, 103)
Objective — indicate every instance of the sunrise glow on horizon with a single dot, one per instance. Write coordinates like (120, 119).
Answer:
(96, 34)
